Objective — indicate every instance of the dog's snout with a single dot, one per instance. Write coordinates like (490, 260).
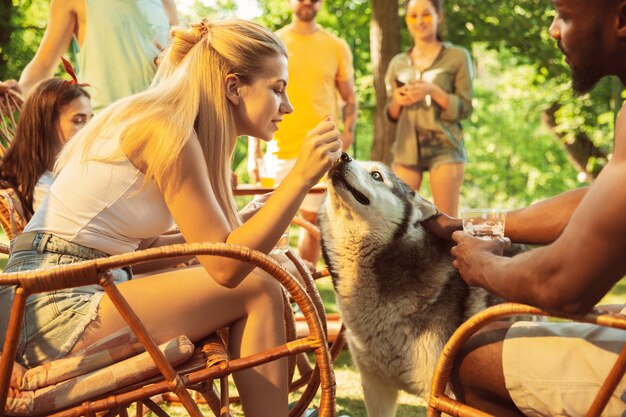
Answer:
(345, 157)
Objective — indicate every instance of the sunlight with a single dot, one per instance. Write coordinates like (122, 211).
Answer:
(246, 9)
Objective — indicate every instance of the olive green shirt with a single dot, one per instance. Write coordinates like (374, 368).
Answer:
(453, 72)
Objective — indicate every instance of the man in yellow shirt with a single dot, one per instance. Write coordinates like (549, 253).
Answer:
(320, 76)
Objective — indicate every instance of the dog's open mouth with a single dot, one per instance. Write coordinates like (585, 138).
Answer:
(358, 196)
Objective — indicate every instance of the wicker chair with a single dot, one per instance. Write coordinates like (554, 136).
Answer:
(439, 402)
(11, 215)
(333, 323)
(110, 389)
(10, 105)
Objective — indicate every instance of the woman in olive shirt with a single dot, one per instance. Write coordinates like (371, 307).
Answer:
(431, 92)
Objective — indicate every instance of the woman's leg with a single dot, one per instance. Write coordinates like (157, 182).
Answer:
(188, 301)
(412, 177)
(445, 185)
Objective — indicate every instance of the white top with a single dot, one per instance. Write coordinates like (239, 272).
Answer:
(41, 188)
(104, 205)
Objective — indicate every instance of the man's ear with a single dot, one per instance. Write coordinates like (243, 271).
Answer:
(621, 19)
(232, 89)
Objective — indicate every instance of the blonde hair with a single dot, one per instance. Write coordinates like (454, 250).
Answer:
(188, 93)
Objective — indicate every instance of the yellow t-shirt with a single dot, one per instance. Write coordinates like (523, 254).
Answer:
(316, 62)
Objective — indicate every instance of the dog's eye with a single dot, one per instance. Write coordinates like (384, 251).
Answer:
(377, 176)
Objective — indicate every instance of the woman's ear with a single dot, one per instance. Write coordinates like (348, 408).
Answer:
(232, 89)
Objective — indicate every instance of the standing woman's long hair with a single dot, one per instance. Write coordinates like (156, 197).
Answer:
(37, 138)
(187, 94)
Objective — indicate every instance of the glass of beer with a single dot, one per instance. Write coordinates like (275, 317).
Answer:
(483, 223)
(266, 173)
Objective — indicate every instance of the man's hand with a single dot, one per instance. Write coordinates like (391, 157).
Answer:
(442, 225)
(472, 253)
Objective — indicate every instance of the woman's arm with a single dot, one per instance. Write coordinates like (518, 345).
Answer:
(457, 105)
(56, 39)
(192, 202)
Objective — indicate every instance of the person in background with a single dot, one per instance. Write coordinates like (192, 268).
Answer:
(54, 111)
(549, 369)
(161, 157)
(317, 78)
(430, 92)
(116, 43)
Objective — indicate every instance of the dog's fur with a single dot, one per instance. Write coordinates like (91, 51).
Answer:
(399, 295)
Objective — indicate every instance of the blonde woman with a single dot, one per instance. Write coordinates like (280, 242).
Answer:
(162, 156)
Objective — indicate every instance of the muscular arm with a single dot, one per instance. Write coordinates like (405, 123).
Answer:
(580, 267)
(538, 224)
(56, 40)
(543, 222)
(349, 111)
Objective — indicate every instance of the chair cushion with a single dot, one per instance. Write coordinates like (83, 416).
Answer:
(17, 375)
(11, 213)
(95, 383)
(114, 348)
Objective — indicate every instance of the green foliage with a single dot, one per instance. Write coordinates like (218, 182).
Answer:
(519, 31)
(20, 34)
(513, 159)
(216, 10)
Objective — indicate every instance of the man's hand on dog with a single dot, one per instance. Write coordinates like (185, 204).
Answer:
(442, 226)
(472, 254)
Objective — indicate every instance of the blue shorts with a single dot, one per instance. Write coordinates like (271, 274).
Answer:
(54, 321)
(427, 151)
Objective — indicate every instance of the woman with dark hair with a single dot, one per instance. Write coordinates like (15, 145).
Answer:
(53, 111)
(430, 90)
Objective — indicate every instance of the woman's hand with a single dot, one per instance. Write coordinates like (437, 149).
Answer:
(419, 90)
(402, 97)
(321, 148)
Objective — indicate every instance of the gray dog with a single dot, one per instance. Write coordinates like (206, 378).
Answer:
(399, 295)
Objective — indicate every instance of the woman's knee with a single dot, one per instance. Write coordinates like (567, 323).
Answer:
(263, 287)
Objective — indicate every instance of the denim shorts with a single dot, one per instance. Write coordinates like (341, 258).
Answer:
(54, 321)
(427, 151)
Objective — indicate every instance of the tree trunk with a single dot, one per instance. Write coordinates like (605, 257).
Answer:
(579, 150)
(385, 44)
(6, 9)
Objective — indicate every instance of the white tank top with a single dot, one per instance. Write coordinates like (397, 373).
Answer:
(103, 205)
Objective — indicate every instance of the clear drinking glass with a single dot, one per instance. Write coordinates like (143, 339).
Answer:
(483, 223)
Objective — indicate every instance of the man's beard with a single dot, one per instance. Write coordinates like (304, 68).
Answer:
(584, 79)
(306, 15)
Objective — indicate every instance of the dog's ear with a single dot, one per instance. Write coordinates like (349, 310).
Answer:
(425, 208)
